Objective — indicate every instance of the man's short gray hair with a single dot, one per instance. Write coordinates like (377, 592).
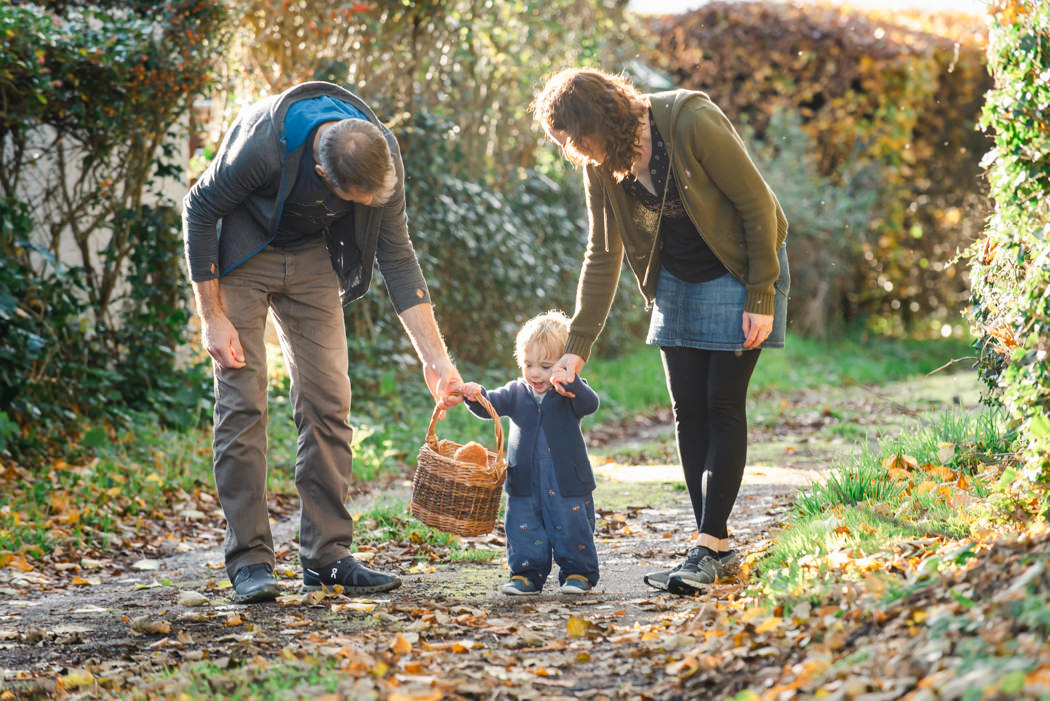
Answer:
(355, 155)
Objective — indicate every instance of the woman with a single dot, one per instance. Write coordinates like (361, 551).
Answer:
(670, 186)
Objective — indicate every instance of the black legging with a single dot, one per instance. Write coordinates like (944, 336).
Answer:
(708, 396)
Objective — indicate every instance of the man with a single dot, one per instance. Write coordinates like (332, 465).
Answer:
(304, 195)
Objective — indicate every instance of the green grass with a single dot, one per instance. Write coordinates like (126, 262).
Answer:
(634, 383)
(391, 522)
(475, 556)
(863, 509)
(76, 500)
(277, 681)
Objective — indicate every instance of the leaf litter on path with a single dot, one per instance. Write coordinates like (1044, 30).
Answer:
(902, 626)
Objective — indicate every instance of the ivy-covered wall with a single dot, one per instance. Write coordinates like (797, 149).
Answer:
(90, 94)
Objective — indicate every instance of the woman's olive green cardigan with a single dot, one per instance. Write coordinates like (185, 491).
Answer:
(724, 195)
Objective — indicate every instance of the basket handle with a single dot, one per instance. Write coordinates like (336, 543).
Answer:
(501, 458)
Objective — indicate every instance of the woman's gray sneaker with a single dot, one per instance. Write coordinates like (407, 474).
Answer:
(698, 571)
(658, 579)
(661, 578)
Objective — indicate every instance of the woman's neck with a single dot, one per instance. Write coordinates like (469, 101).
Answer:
(640, 167)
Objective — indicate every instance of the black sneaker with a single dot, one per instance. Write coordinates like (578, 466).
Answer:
(254, 583)
(701, 568)
(659, 579)
(351, 575)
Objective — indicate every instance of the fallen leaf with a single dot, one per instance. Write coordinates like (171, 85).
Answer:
(577, 626)
(147, 565)
(400, 645)
(146, 624)
(78, 677)
(192, 598)
(769, 624)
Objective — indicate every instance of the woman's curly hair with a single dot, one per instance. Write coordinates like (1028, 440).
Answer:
(595, 108)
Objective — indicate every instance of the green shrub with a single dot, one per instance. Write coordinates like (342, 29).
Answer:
(1011, 264)
(93, 303)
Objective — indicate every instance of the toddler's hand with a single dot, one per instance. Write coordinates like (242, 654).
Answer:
(472, 391)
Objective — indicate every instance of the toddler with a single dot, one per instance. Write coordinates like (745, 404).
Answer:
(549, 478)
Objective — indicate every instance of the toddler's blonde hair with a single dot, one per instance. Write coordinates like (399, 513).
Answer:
(547, 332)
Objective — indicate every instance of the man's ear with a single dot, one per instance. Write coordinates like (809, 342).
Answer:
(320, 171)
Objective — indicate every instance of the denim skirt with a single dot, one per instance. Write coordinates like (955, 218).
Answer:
(709, 315)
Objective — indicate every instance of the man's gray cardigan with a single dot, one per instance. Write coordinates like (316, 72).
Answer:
(233, 211)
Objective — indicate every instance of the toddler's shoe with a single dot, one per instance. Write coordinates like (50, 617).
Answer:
(575, 584)
(519, 586)
(354, 577)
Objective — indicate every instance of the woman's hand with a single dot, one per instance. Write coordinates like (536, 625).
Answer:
(757, 328)
(564, 373)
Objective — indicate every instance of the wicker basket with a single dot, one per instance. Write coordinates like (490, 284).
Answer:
(454, 496)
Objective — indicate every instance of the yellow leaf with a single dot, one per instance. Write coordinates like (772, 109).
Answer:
(380, 669)
(925, 487)
(19, 563)
(577, 626)
(945, 451)
(400, 645)
(901, 462)
(940, 472)
(79, 677)
(153, 477)
(768, 624)
(234, 620)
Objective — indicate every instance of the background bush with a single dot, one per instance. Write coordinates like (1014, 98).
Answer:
(889, 103)
(93, 306)
(1011, 263)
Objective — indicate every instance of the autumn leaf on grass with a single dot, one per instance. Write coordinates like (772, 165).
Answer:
(945, 451)
(940, 472)
(900, 461)
(577, 627)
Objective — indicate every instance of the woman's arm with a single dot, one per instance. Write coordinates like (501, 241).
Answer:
(599, 273)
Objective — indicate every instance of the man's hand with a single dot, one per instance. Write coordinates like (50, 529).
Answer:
(565, 371)
(218, 334)
(222, 342)
(757, 328)
(445, 385)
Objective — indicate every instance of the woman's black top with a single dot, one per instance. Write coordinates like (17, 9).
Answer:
(683, 250)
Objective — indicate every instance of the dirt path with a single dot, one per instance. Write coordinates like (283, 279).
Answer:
(447, 629)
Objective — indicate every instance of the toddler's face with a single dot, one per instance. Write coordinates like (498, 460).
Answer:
(536, 369)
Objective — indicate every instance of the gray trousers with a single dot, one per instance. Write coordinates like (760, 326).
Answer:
(302, 289)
